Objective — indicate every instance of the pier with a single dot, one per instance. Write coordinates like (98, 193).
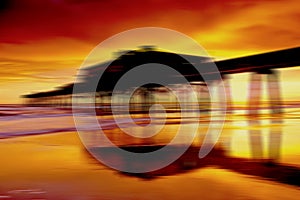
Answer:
(263, 67)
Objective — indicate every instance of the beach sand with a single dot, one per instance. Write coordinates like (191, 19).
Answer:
(57, 166)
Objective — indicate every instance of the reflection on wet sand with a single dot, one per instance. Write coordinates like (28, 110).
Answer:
(217, 158)
(57, 166)
(264, 167)
(256, 143)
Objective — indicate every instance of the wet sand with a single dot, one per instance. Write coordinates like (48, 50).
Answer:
(56, 166)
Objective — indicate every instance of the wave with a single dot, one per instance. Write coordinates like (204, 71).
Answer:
(65, 127)
(34, 132)
(15, 121)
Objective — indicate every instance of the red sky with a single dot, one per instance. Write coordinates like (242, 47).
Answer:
(42, 43)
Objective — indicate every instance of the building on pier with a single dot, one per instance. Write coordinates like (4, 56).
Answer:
(260, 66)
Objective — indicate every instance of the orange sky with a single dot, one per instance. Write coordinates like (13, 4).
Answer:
(42, 43)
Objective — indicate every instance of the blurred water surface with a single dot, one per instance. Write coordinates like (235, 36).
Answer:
(42, 157)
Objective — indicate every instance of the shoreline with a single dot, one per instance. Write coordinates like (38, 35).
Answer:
(57, 167)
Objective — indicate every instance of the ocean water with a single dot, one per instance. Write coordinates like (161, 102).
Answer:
(237, 131)
(237, 127)
(43, 157)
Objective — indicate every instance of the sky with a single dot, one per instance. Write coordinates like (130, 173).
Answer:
(43, 43)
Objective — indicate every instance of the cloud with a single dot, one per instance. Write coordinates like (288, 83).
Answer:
(46, 41)
(86, 20)
(24, 70)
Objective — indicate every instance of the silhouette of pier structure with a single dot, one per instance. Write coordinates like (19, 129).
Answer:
(217, 158)
(263, 67)
(260, 66)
